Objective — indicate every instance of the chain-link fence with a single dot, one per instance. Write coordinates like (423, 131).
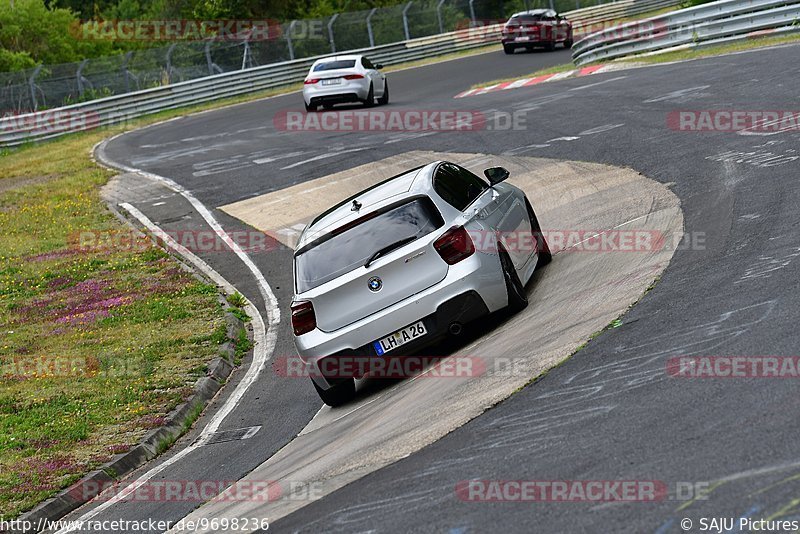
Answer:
(50, 86)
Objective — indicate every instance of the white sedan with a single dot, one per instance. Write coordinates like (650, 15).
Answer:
(405, 263)
(342, 79)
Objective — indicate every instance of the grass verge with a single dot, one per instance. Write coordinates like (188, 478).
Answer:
(98, 345)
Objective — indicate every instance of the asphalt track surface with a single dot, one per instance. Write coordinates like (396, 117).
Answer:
(610, 412)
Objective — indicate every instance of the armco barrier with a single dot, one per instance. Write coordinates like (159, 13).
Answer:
(716, 22)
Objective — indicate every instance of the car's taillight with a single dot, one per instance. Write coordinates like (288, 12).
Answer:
(353, 77)
(311, 81)
(454, 245)
(303, 318)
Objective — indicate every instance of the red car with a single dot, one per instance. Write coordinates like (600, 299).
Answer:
(537, 27)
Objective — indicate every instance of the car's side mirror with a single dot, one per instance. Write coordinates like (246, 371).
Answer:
(379, 66)
(496, 174)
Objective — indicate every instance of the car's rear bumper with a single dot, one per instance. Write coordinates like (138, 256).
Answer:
(348, 91)
(474, 282)
(356, 363)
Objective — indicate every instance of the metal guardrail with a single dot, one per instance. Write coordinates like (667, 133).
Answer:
(721, 21)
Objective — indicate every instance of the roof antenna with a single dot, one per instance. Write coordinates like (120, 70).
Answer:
(356, 206)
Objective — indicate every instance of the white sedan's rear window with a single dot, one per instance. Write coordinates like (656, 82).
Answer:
(346, 250)
(334, 65)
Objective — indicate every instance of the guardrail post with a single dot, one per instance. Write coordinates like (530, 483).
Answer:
(439, 15)
(405, 20)
(32, 86)
(79, 76)
(369, 27)
(330, 32)
(472, 11)
(289, 31)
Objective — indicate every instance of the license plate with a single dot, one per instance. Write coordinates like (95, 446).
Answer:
(523, 38)
(399, 338)
(332, 81)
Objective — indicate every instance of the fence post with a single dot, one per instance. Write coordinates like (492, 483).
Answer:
(289, 31)
(330, 32)
(79, 76)
(32, 86)
(405, 20)
(369, 27)
(472, 11)
(245, 54)
(439, 15)
(125, 73)
(169, 62)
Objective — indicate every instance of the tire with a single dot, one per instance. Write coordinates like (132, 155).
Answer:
(338, 394)
(568, 44)
(508, 49)
(384, 99)
(550, 46)
(370, 100)
(327, 107)
(545, 256)
(517, 299)
(310, 108)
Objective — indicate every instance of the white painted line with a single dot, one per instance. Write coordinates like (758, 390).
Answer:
(560, 76)
(322, 156)
(598, 83)
(276, 158)
(408, 137)
(261, 353)
(518, 83)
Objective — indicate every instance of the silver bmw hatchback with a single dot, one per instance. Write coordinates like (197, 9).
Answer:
(405, 263)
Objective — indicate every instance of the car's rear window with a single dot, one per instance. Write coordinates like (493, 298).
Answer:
(333, 65)
(350, 249)
(526, 19)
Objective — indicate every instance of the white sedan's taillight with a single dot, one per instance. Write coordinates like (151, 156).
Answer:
(454, 245)
(303, 318)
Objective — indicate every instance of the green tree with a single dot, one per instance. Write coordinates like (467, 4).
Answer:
(30, 32)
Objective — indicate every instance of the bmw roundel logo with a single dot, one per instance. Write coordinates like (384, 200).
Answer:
(375, 284)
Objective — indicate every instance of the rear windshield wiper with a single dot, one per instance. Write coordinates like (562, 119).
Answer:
(389, 248)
